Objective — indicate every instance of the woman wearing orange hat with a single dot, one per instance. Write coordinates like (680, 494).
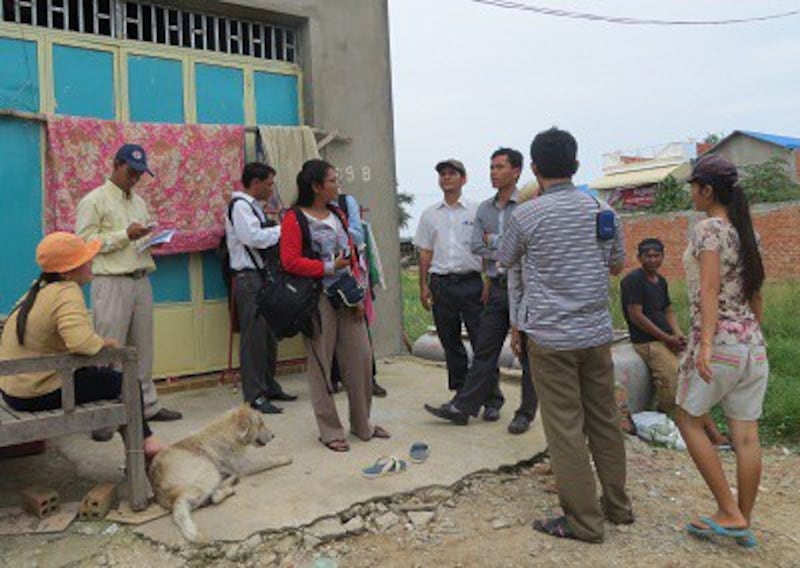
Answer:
(52, 318)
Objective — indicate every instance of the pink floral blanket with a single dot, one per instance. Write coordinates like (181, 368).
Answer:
(196, 168)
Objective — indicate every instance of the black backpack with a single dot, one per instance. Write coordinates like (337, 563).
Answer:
(288, 302)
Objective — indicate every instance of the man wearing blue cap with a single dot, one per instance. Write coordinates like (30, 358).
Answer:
(122, 299)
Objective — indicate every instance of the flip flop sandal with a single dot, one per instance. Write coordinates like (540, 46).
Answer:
(557, 527)
(384, 466)
(699, 532)
(743, 537)
(719, 530)
(747, 541)
(419, 452)
(336, 445)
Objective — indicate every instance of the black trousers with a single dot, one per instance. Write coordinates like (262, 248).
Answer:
(91, 384)
(258, 347)
(482, 387)
(456, 299)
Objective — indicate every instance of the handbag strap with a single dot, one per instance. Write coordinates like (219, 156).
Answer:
(261, 270)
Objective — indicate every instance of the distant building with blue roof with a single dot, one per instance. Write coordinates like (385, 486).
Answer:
(747, 147)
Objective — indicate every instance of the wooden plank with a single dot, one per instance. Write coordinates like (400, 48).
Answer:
(133, 436)
(67, 391)
(6, 412)
(22, 416)
(49, 362)
(81, 420)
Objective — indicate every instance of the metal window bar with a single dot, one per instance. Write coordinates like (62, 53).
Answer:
(289, 45)
(62, 9)
(19, 5)
(173, 19)
(211, 38)
(116, 18)
(273, 51)
(255, 41)
(80, 17)
(244, 39)
(179, 16)
(137, 22)
(191, 31)
(236, 36)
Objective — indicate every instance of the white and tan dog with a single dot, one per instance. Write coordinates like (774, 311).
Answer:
(204, 467)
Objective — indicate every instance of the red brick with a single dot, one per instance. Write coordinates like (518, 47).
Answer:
(98, 501)
(39, 501)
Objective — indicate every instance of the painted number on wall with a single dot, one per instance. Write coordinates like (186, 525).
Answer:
(349, 174)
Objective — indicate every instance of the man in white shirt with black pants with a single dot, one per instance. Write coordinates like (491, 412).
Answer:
(449, 273)
(252, 241)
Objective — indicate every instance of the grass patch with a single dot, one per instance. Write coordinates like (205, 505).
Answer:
(781, 420)
(415, 319)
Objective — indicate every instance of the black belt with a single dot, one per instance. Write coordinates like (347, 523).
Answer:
(457, 277)
(136, 274)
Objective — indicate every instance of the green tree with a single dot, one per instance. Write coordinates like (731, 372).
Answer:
(671, 195)
(713, 138)
(404, 202)
(769, 181)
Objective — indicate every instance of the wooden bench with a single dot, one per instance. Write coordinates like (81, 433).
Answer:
(20, 427)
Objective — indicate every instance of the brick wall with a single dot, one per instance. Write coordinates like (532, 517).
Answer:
(778, 225)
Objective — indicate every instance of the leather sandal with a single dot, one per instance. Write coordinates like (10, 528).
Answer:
(381, 432)
(337, 445)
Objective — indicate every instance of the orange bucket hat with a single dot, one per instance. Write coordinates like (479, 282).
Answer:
(62, 252)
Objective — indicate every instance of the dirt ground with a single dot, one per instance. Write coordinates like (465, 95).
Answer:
(482, 521)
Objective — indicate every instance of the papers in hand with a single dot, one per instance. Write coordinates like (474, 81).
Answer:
(161, 238)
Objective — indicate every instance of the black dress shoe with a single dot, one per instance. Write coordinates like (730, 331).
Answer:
(519, 424)
(449, 412)
(378, 390)
(491, 414)
(265, 407)
(284, 396)
(165, 415)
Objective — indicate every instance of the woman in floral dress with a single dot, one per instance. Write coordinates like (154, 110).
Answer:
(726, 361)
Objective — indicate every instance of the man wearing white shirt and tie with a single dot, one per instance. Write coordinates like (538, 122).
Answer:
(252, 240)
(449, 273)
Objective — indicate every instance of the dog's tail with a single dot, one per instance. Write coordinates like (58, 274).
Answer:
(182, 515)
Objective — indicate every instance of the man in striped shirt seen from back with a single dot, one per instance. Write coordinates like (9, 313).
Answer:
(569, 243)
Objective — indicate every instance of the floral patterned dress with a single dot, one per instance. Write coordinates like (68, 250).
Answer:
(737, 324)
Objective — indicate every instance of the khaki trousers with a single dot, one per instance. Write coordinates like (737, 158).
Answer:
(576, 397)
(663, 365)
(123, 310)
(340, 332)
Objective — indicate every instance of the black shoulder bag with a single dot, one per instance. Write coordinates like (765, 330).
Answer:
(287, 302)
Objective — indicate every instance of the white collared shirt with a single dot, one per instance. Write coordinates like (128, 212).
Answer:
(246, 230)
(446, 230)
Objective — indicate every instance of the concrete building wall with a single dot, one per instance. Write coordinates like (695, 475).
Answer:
(745, 151)
(345, 59)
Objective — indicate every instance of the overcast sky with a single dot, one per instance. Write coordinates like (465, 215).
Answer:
(468, 78)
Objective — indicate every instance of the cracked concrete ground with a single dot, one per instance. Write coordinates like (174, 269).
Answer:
(319, 482)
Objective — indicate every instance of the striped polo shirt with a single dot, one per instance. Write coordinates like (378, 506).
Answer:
(565, 297)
